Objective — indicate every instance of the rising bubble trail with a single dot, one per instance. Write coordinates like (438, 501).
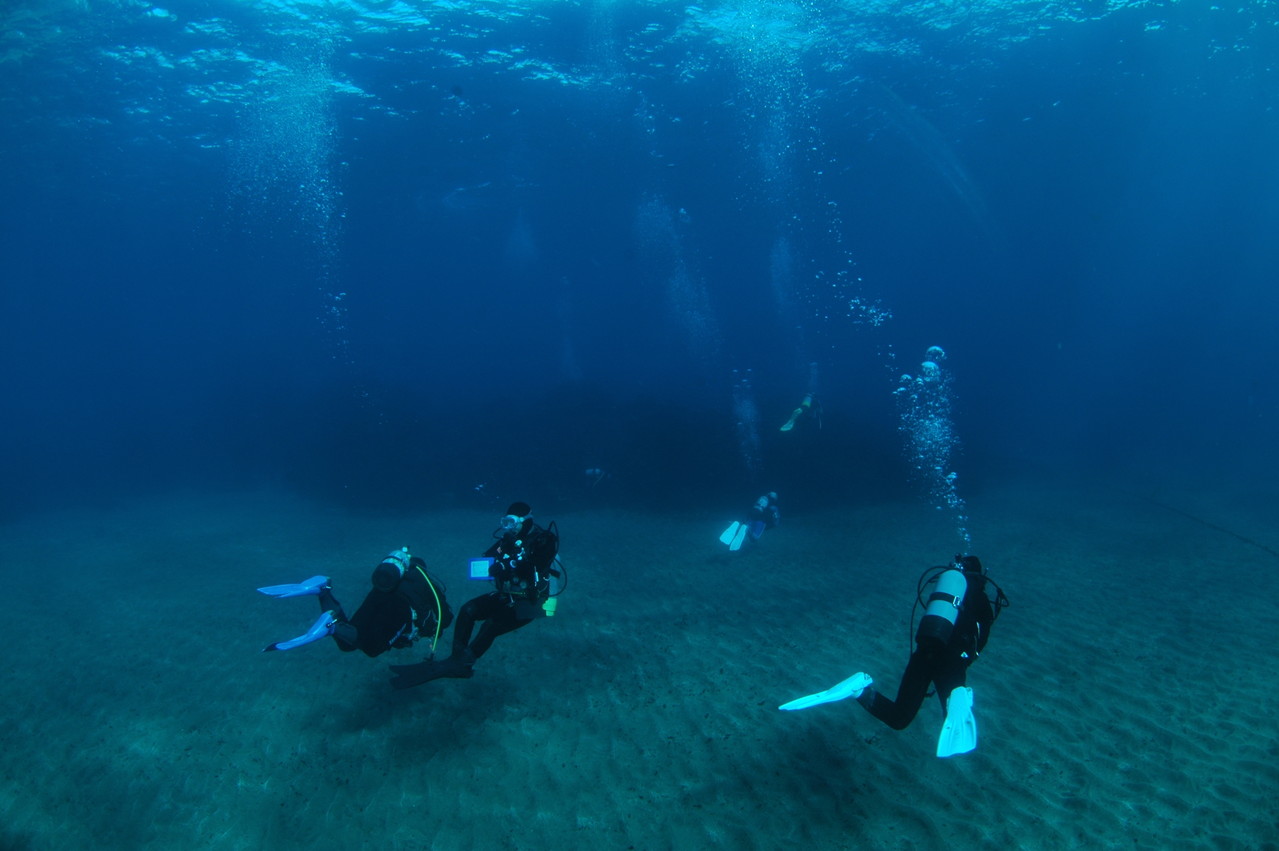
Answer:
(924, 405)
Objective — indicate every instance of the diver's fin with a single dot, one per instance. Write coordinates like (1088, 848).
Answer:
(322, 628)
(739, 537)
(726, 537)
(959, 732)
(306, 588)
(851, 687)
(804, 407)
(407, 676)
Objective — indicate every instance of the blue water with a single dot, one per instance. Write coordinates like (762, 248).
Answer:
(395, 250)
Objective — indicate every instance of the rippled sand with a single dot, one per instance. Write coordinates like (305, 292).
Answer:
(1124, 700)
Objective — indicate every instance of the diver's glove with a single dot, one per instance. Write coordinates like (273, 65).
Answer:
(322, 628)
(306, 588)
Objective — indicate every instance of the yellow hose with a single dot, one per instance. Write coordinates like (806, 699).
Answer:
(439, 609)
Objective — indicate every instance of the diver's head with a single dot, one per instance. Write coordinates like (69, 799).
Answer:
(387, 575)
(516, 518)
(766, 500)
(969, 564)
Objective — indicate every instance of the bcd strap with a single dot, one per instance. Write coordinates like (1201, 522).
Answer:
(949, 598)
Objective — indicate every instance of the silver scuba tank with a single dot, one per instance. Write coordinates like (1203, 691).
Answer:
(942, 610)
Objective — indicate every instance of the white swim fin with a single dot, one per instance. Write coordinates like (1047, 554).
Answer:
(851, 687)
(322, 628)
(306, 588)
(726, 537)
(959, 732)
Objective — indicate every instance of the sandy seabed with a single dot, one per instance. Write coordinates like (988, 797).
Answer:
(1125, 699)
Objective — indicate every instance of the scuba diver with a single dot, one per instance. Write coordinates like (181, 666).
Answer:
(521, 563)
(406, 604)
(764, 514)
(809, 409)
(954, 629)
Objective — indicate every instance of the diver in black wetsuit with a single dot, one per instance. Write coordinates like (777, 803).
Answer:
(956, 625)
(406, 603)
(522, 562)
(951, 635)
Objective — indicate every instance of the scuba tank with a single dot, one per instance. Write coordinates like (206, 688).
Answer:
(942, 609)
(389, 572)
(398, 560)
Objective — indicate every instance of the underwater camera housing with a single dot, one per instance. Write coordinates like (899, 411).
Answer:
(480, 567)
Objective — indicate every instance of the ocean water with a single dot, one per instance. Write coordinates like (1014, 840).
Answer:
(402, 260)
(344, 244)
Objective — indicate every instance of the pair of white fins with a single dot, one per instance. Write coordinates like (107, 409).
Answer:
(958, 733)
(734, 535)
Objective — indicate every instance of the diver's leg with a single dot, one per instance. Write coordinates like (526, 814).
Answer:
(476, 609)
(498, 618)
(445, 614)
(910, 694)
(949, 677)
(345, 635)
(502, 622)
(456, 666)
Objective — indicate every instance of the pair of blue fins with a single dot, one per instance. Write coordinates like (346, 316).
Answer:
(324, 624)
(958, 732)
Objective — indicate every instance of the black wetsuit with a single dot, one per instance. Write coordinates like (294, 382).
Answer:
(945, 665)
(521, 572)
(769, 516)
(394, 618)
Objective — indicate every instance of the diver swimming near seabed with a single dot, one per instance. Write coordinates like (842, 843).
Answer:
(952, 633)
(528, 578)
(407, 603)
(764, 514)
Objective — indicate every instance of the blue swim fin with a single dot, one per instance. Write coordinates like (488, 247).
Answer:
(851, 687)
(726, 537)
(306, 588)
(959, 732)
(322, 628)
